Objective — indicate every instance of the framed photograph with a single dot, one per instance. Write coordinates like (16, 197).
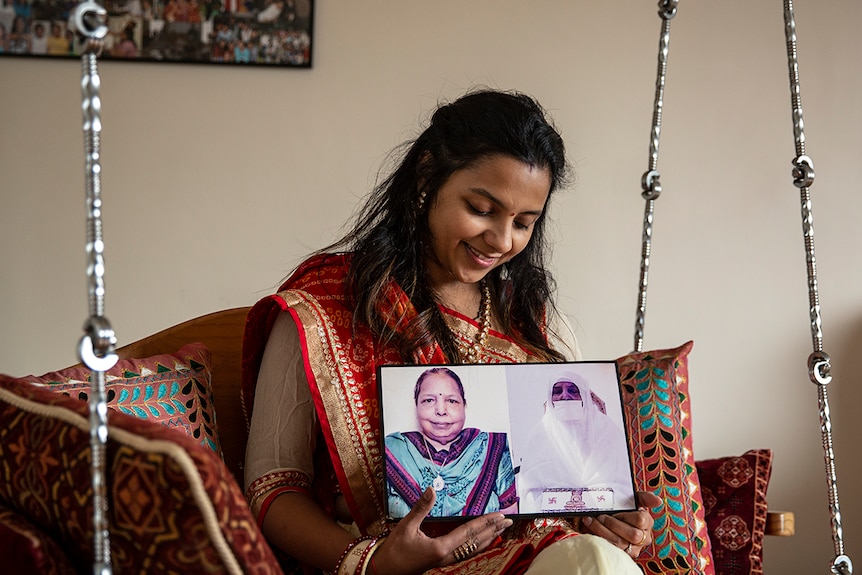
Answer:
(237, 32)
(524, 439)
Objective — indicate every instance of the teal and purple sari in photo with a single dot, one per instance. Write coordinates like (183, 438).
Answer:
(476, 473)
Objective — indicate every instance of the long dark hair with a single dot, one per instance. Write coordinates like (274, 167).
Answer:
(390, 234)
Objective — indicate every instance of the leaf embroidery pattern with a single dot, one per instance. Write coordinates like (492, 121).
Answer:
(655, 402)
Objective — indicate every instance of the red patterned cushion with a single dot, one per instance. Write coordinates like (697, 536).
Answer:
(658, 415)
(734, 493)
(171, 389)
(174, 507)
(26, 550)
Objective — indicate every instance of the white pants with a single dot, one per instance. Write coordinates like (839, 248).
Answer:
(583, 555)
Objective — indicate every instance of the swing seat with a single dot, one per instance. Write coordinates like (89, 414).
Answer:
(211, 477)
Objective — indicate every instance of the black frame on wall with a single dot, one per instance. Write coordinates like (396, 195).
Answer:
(235, 32)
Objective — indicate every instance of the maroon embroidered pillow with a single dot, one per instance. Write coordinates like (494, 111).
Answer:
(173, 507)
(734, 493)
(658, 415)
(172, 389)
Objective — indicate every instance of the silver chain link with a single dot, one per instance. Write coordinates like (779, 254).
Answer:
(819, 364)
(650, 182)
(96, 348)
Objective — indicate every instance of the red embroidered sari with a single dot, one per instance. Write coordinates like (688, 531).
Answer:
(340, 361)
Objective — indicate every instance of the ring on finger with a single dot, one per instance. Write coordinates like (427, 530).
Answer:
(460, 553)
(465, 550)
(628, 548)
(643, 539)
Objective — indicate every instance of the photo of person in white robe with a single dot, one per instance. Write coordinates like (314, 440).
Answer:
(577, 457)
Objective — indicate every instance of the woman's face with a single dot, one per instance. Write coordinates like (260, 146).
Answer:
(482, 217)
(565, 391)
(440, 408)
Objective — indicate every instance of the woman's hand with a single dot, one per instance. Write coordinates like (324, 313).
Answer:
(631, 531)
(407, 550)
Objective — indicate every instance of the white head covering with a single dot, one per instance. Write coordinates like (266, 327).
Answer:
(566, 452)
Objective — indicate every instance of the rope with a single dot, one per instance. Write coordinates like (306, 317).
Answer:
(650, 182)
(97, 345)
(818, 362)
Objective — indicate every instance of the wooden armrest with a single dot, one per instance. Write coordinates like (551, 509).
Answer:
(780, 523)
(221, 332)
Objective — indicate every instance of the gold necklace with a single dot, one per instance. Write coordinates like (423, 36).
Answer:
(472, 353)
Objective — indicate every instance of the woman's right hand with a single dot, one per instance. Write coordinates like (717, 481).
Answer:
(407, 550)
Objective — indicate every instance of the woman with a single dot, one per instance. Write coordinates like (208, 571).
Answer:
(18, 41)
(445, 263)
(575, 447)
(469, 470)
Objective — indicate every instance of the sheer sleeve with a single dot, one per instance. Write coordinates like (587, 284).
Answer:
(562, 338)
(284, 425)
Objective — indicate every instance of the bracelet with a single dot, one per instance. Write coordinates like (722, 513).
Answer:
(352, 562)
(368, 556)
(353, 559)
(341, 560)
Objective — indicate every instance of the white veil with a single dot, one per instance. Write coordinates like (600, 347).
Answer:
(590, 452)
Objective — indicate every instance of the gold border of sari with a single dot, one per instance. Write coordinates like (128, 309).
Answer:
(354, 435)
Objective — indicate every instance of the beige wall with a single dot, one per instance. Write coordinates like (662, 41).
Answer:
(218, 179)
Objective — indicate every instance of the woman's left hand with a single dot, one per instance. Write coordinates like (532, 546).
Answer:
(631, 531)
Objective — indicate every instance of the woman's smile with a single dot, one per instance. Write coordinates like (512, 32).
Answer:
(479, 257)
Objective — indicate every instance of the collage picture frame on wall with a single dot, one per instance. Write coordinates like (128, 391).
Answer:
(275, 33)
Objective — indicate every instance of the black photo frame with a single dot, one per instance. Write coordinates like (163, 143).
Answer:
(509, 401)
(277, 33)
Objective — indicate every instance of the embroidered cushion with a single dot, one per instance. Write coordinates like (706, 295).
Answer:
(658, 416)
(173, 507)
(734, 495)
(171, 389)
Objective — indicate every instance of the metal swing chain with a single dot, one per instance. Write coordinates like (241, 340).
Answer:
(650, 182)
(819, 364)
(96, 348)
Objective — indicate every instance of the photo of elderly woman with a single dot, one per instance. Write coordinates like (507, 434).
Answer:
(575, 456)
(470, 469)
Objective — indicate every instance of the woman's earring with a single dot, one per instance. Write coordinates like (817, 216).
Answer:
(421, 202)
